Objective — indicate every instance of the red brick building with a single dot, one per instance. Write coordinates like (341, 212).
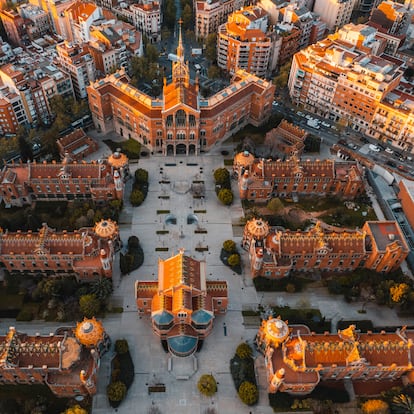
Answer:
(261, 179)
(275, 253)
(87, 253)
(182, 121)
(22, 184)
(297, 360)
(182, 303)
(67, 361)
(77, 145)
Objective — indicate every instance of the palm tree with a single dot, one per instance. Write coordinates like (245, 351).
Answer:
(102, 288)
(402, 404)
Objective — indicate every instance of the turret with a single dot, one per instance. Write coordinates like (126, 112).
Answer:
(244, 185)
(106, 262)
(88, 382)
(277, 380)
(257, 262)
(119, 185)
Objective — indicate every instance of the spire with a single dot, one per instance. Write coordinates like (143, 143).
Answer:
(180, 49)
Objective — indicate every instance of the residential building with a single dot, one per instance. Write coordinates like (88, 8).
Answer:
(182, 302)
(37, 20)
(87, 253)
(390, 17)
(112, 44)
(80, 17)
(342, 78)
(210, 14)
(14, 26)
(67, 361)
(147, 18)
(291, 37)
(297, 360)
(275, 253)
(406, 196)
(242, 42)
(261, 179)
(335, 13)
(285, 140)
(78, 63)
(12, 111)
(101, 182)
(365, 6)
(182, 121)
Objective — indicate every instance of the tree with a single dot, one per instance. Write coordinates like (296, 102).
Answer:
(187, 16)
(375, 407)
(89, 305)
(229, 246)
(116, 391)
(151, 53)
(121, 346)
(214, 72)
(402, 404)
(221, 176)
(102, 288)
(225, 196)
(244, 351)
(275, 205)
(211, 47)
(76, 409)
(207, 385)
(282, 78)
(170, 11)
(136, 198)
(399, 292)
(141, 176)
(25, 146)
(234, 260)
(248, 393)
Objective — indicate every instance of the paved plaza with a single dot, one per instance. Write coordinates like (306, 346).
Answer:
(170, 181)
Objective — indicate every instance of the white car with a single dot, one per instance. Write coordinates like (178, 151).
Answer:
(374, 148)
(389, 150)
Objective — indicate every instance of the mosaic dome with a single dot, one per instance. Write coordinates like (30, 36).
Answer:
(106, 228)
(118, 160)
(89, 332)
(258, 228)
(276, 330)
(244, 159)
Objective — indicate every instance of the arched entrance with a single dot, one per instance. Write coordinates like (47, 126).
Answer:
(170, 149)
(181, 149)
(191, 149)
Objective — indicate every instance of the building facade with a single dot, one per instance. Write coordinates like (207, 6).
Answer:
(262, 180)
(209, 15)
(147, 19)
(182, 303)
(181, 121)
(101, 182)
(87, 253)
(297, 360)
(335, 13)
(273, 253)
(77, 145)
(242, 43)
(67, 361)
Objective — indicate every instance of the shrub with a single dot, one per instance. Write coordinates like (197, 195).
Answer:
(290, 288)
(225, 196)
(141, 176)
(242, 370)
(375, 407)
(76, 409)
(275, 205)
(221, 176)
(133, 242)
(234, 260)
(136, 198)
(116, 391)
(121, 346)
(207, 385)
(244, 351)
(229, 246)
(248, 393)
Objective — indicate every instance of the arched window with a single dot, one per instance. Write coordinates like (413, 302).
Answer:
(180, 118)
(169, 121)
(192, 120)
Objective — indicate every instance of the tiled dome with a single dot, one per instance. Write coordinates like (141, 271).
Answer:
(118, 160)
(244, 159)
(89, 332)
(258, 228)
(106, 228)
(276, 330)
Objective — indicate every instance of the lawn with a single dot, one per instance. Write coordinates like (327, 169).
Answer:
(130, 147)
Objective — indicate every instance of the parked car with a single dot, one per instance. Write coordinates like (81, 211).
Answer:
(389, 150)
(342, 142)
(391, 164)
(374, 148)
(364, 140)
(381, 147)
(402, 168)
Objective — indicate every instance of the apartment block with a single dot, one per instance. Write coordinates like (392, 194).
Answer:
(335, 13)
(210, 14)
(14, 26)
(37, 20)
(341, 77)
(79, 64)
(242, 42)
(147, 18)
(390, 17)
